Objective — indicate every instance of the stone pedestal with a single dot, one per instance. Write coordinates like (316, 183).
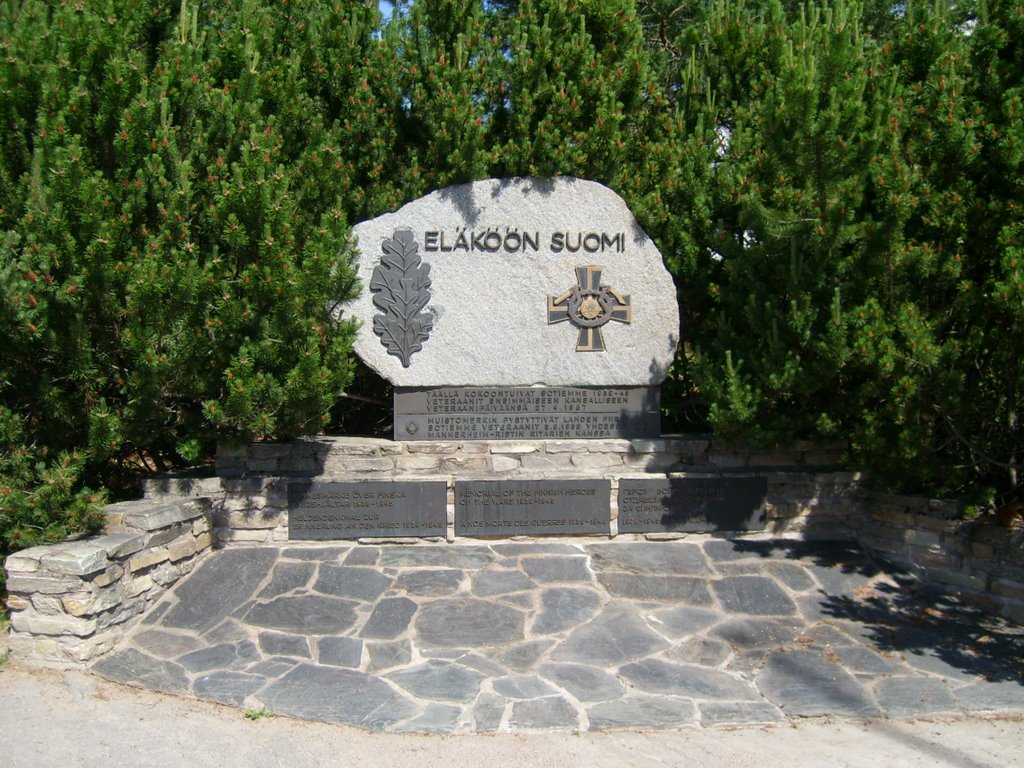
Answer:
(806, 495)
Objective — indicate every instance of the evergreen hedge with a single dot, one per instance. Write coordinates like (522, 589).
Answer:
(835, 186)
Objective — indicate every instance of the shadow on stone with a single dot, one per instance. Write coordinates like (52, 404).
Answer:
(900, 613)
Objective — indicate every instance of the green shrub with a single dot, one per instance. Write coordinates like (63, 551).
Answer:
(176, 186)
(854, 272)
(834, 186)
(40, 498)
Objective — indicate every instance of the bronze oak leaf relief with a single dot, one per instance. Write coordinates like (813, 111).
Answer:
(401, 288)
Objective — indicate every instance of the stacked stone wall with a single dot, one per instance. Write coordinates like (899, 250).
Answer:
(73, 601)
(975, 558)
(808, 496)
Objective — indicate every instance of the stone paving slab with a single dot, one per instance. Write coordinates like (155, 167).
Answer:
(569, 635)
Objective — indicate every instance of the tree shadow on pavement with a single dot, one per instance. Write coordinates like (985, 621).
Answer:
(897, 612)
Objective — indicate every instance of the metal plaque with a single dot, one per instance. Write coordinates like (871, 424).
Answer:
(401, 290)
(353, 510)
(531, 507)
(589, 305)
(527, 413)
(692, 504)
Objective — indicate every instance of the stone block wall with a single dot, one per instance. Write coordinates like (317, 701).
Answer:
(981, 561)
(71, 602)
(808, 497)
(369, 457)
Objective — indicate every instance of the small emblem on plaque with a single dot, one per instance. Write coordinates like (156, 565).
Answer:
(401, 289)
(589, 306)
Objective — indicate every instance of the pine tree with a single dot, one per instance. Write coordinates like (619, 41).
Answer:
(835, 186)
(176, 220)
(904, 357)
(448, 92)
(969, 139)
(800, 108)
(859, 273)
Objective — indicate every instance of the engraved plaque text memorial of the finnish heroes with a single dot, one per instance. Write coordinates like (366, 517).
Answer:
(379, 509)
(531, 507)
(692, 504)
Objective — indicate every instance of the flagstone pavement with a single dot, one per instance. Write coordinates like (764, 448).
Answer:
(569, 635)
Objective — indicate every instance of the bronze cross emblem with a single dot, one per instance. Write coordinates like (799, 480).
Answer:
(589, 305)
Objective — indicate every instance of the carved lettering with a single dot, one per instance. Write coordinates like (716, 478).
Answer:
(516, 240)
(340, 510)
(692, 504)
(511, 413)
(512, 507)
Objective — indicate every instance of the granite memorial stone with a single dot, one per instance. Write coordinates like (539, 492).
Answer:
(512, 309)
(514, 282)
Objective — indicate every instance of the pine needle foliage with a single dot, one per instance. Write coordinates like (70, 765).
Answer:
(857, 275)
(174, 232)
(836, 188)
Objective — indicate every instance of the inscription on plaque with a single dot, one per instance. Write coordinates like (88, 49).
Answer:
(531, 507)
(352, 510)
(691, 504)
(526, 413)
